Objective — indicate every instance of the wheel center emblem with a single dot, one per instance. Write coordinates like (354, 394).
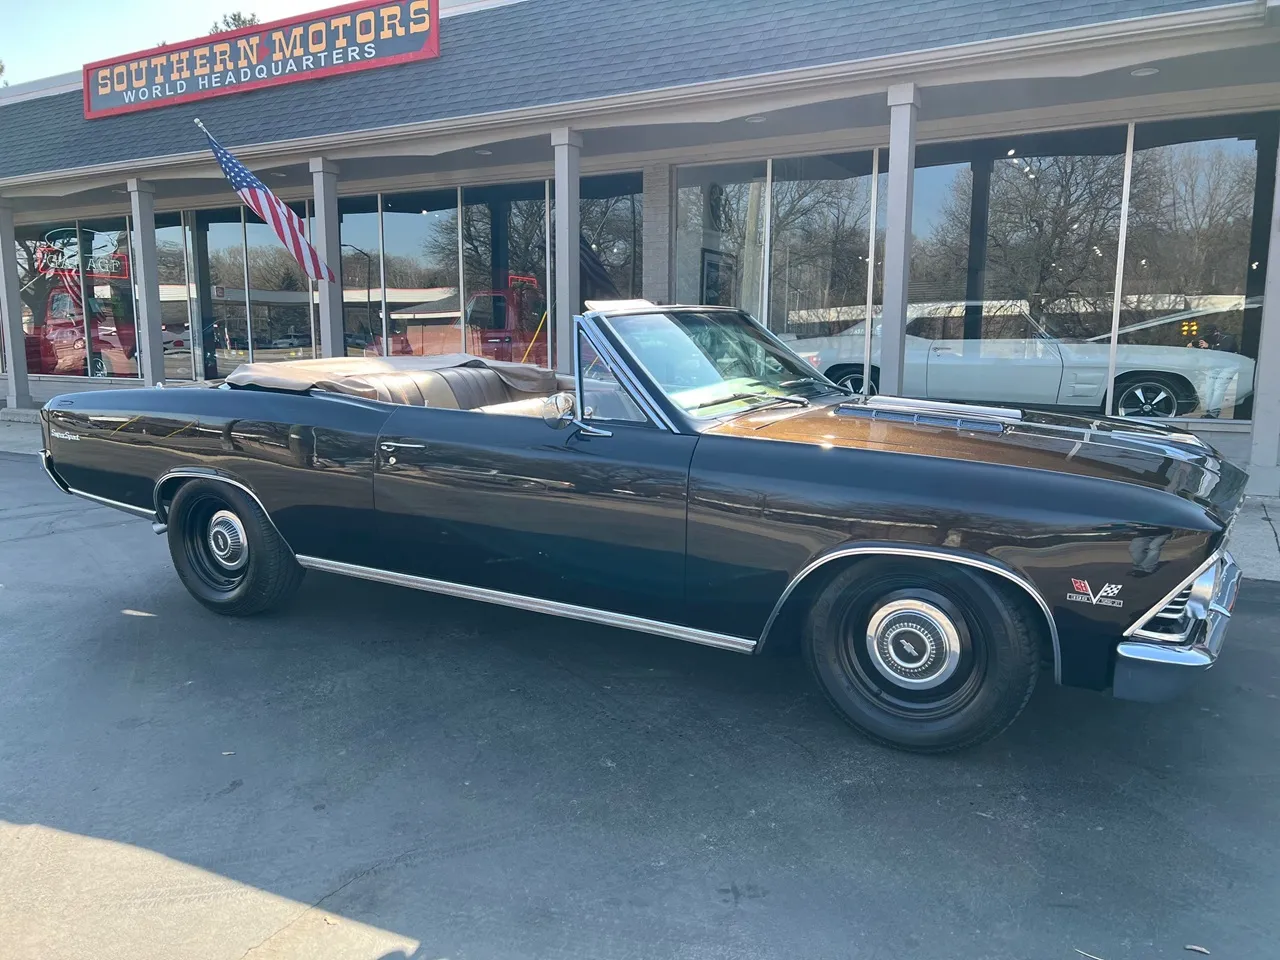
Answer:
(913, 644)
(227, 541)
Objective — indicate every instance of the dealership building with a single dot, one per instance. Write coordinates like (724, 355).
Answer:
(1060, 205)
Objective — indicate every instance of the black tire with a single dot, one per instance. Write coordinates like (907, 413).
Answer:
(100, 366)
(980, 660)
(227, 552)
(1152, 395)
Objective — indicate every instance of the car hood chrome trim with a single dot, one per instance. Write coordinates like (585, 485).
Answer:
(534, 604)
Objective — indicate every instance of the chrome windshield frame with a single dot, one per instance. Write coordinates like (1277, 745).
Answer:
(646, 384)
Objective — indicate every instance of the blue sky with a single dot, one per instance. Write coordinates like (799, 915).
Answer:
(43, 39)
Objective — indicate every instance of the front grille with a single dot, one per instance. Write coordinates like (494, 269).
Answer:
(1176, 608)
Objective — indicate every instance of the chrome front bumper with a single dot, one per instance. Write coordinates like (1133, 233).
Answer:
(1152, 672)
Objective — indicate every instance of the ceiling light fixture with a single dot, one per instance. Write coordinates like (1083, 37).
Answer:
(484, 153)
(755, 119)
(1144, 72)
(1012, 152)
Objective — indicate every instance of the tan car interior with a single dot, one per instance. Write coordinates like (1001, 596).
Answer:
(455, 388)
(457, 382)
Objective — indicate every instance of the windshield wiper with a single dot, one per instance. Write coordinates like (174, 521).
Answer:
(799, 401)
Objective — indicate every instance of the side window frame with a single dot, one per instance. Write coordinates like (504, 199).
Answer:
(580, 333)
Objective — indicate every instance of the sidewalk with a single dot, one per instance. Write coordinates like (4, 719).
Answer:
(1255, 541)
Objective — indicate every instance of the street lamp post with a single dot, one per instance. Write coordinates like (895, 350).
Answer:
(368, 287)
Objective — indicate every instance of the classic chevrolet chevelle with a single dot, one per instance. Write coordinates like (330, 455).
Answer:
(695, 479)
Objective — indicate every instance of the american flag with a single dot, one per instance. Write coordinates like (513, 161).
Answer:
(287, 225)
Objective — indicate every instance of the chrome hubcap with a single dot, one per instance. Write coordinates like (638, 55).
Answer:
(913, 644)
(1148, 400)
(227, 541)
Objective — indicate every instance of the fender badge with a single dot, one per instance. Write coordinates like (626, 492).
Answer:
(60, 435)
(1104, 597)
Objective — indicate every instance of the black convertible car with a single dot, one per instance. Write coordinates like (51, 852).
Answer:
(695, 479)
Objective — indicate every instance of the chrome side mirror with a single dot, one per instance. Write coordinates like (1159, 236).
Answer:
(558, 410)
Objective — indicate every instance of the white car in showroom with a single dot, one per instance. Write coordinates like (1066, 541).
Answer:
(1022, 363)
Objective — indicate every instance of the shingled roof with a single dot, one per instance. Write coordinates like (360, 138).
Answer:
(539, 52)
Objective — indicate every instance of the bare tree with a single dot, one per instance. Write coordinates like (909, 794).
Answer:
(234, 21)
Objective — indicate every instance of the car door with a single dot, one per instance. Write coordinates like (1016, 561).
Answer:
(591, 514)
(1013, 362)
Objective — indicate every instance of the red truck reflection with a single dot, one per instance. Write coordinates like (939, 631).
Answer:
(58, 345)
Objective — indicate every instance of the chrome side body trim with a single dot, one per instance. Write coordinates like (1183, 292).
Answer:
(927, 554)
(535, 604)
(189, 473)
(126, 507)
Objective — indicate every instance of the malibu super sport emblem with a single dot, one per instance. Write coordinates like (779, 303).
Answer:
(1105, 597)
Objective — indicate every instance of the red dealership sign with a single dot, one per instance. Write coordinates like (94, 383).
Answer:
(357, 36)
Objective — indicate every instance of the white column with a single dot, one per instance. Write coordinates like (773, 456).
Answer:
(1264, 453)
(568, 149)
(15, 340)
(324, 182)
(147, 280)
(904, 103)
(658, 216)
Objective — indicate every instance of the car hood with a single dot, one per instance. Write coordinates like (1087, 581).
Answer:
(1126, 451)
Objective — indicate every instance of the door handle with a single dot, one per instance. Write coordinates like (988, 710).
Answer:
(391, 447)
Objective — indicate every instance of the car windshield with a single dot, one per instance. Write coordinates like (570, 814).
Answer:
(711, 363)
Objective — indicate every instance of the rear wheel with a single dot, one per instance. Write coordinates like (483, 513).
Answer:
(1152, 395)
(227, 552)
(926, 656)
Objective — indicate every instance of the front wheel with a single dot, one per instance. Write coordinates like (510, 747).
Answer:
(922, 655)
(227, 552)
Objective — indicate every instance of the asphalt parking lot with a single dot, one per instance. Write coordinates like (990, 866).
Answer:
(383, 774)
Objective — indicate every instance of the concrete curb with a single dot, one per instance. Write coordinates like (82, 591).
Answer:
(19, 415)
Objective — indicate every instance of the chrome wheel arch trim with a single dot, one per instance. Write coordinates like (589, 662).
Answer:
(195, 473)
(923, 553)
(535, 604)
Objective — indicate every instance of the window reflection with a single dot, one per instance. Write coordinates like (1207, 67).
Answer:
(279, 295)
(172, 256)
(420, 233)
(1186, 305)
(361, 276)
(611, 214)
(821, 213)
(75, 285)
(720, 235)
(219, 248)
(504, 249)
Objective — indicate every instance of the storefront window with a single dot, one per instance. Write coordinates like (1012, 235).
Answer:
(361, 275)
(420, 234)
(75, 284)
(720, 235)
(504, 244)
(821, 218)
(611, 213)
(218, 247)
(279, 295)
(176, 295)
(1189, 316)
